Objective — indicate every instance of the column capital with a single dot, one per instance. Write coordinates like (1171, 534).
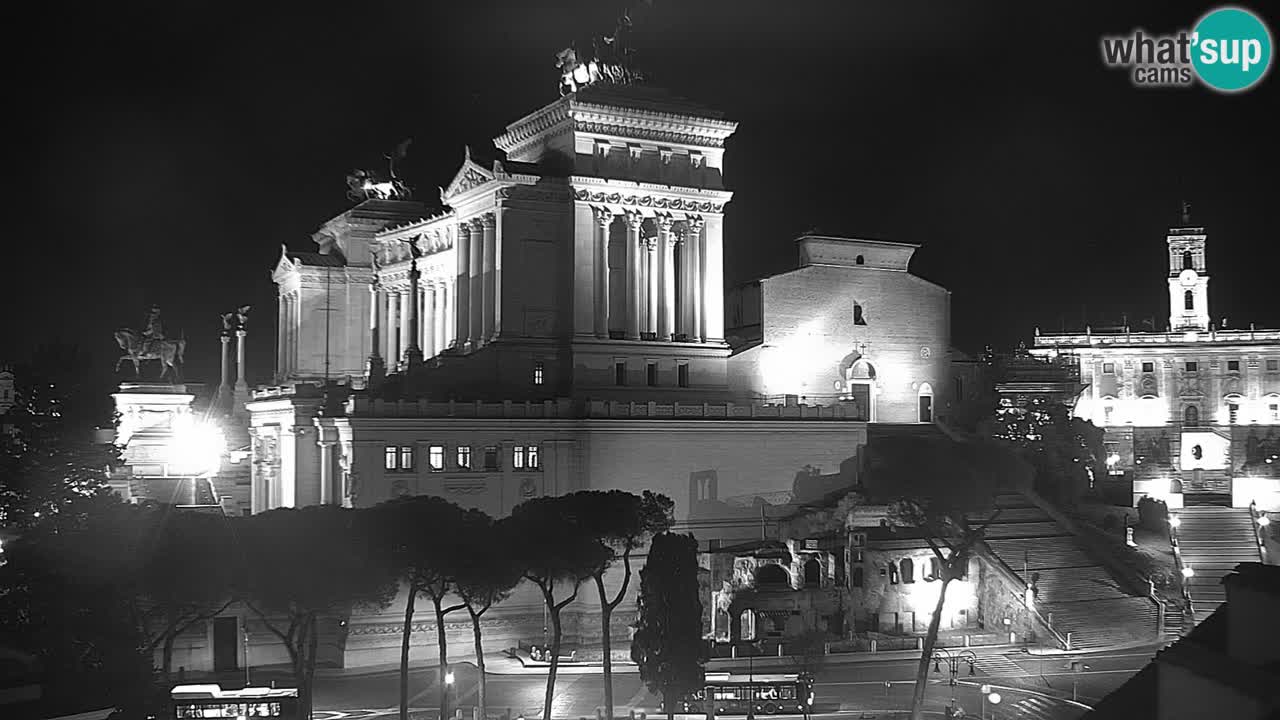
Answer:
(464, 228)
(665, 222)
(650, 243)
(488, 220)
(603, 216)
(634, 220)
(694, 223)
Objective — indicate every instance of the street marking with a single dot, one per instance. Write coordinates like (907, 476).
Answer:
(998, 666)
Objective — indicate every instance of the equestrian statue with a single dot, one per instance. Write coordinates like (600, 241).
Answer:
(150, 344)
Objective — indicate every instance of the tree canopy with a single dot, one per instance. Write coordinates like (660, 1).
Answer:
(667, 645)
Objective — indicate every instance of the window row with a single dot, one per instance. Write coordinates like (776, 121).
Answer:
(905, 571)
(402, 458)
(651, 374)
(1271, 364)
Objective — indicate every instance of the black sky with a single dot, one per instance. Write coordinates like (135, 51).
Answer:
(170, 148)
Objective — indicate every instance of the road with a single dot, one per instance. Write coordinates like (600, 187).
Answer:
(1030, 686)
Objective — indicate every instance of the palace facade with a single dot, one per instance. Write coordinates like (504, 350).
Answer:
(1191, 414)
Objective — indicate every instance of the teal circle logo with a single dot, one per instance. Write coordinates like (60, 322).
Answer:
(1231, 49)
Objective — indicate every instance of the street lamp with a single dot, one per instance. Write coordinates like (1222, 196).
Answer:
(1174, 521)
(942, 655)
(448, 685)
(1187, 572)
(993, 698)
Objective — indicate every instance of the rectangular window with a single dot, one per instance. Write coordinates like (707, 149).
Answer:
(406, 458)
(651, 374)
(1109, 368)
(435, 456)
(464, 457)
(1273, 364)
(1192, 366)
(491, 458)
(1233, 366)
(537, 372)
(1275, 411)
(517, 457)
(620, 373)
(389, 458)
(531, 454)
(1148, 367)
(1233, 413)
(682, 375)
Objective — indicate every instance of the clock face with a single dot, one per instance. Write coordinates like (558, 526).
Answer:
(1188, 277)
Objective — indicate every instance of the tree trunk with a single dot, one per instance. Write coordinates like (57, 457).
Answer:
(606, 646)
(404, 652)
(314, 642)
(480, 686)
(926, 652)
(442, 644)
(166, 655)
(555, 659)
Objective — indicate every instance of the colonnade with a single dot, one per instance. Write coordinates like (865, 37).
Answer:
(394, 310)
(665, 278)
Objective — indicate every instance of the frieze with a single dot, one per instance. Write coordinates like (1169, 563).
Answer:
(648, 133)
(648, 201)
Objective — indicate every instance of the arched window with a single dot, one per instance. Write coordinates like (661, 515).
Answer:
(862, 370)
(772, 575)
(813, 573)
(925, 403)
(908, 570)
(1189, 300)
(1191, 416)
(1188, 261)
(859, 260)
(857, 577)
(858, 319)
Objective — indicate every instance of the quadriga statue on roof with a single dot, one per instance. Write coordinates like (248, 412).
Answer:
(150, 344)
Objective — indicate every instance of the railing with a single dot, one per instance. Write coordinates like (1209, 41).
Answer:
(364, 406)
(1017, 580)
(1259, 526)
(1049, 340)
(617, 409)
(1177, 563)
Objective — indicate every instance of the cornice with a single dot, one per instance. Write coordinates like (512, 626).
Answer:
(533, 125)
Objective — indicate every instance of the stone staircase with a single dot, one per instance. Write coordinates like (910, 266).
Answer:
(1212, 541)
(1075, 593)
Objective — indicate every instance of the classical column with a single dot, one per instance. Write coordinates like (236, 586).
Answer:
(488, 277)
(281, 324)
(634, 221)
(412, 350)
(439, 313)
(697, 274)
(393, 328)
(450, 288)
(653, 265)
(475, 286)
(295, 325)
(375, 369)
(462, 286)
(326, 471)
(406, 324)
(666, 279)
(224, 388)
(429, 343)
(604, 219)
(241, 383)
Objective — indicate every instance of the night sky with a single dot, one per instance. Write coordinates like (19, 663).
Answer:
(170, 148)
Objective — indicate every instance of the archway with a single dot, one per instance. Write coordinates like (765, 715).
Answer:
(925, 402)
(1191, 416)
(860, 388)
(771, 576)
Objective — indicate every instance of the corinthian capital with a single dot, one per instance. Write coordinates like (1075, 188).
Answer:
(634, 220)
(694, 224)
(488, 220)
(604, 216)
(665, 223)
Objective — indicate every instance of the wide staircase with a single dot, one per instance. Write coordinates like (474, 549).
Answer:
(1212, 541)
(1078, 596)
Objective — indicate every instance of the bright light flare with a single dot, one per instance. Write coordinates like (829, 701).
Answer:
(1187, 572)
(1175, 521)
(994, 698)
(196, 447)
(1263, 520)
(448, 678)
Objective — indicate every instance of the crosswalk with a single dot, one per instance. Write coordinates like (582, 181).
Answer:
(998, 666)
(1036, 708)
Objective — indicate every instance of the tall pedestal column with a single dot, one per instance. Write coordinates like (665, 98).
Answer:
(603, 221)
(462, 286)
(241, 395)
(412, 350)
(634, 221)
(666, 279)
(223, 402)
(489, 277)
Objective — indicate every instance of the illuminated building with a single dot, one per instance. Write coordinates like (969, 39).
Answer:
(1192, 413)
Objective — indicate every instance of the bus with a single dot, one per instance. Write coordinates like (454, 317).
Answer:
(780, 694)
(211, 701)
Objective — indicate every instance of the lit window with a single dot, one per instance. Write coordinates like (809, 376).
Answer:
(1233, 413)
(682, 375)
(1109, 368)
(1106, 414)
(1148, 367)
(651, 374)
(620, 373)
(389, 457)
(537, 372)
(1275, 411)
(1189, 300)
(435, 457)
(1233, 366)
(464, 457)
(525, 457)
(1192, 366)
(406, 458)
(1273, 364)
(908, 570)
(491, 458)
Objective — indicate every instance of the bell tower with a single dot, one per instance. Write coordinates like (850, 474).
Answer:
(1188, 277)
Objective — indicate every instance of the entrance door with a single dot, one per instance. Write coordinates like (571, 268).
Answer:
(926, 408)
(224, 644)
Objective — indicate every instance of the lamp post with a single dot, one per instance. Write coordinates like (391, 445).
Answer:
(448, 685)
(245, 629)
(953, 662)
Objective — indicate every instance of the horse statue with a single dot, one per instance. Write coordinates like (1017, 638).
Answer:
(168, 352)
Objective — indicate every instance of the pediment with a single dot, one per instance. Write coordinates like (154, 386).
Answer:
(284, 266)
(471, 175)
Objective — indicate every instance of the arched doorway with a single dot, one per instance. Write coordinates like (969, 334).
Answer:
(860, 388)
(1191, 416)
(925, 402)
(771, 576)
